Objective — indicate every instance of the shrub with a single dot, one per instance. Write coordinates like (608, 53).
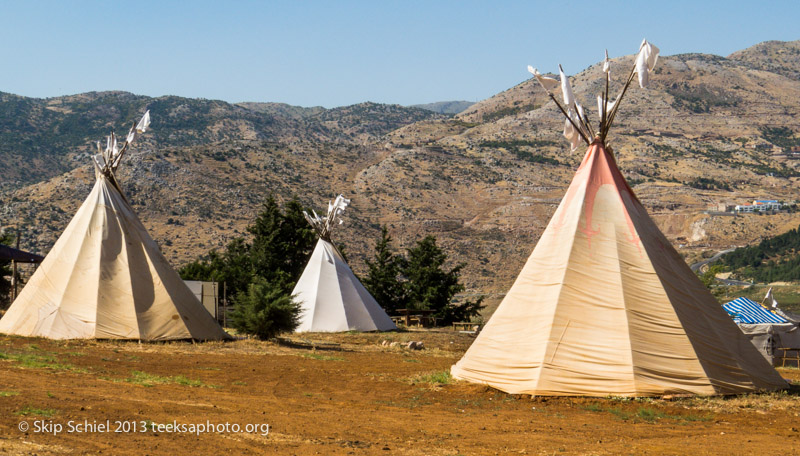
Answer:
(431, 286)
(265, 310)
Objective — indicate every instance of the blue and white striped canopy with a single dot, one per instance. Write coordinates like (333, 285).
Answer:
(744, 310)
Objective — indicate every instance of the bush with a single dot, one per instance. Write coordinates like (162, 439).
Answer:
(265, 310)
(461, 312)
(382, 277)
(432, 287)
(5, 273)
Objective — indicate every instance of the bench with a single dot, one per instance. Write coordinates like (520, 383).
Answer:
(791, 354)
(465, 326)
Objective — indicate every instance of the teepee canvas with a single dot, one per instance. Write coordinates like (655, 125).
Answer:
(331, 297)
(105, 277)
(605, 305)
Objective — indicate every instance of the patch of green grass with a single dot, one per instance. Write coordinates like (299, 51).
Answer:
(149, 380)
(645, 414)
(145, 379)
(411, 360)
(619, 413)
(418, 400)
(691, 418)
(28, 411)
(239, 383)
(185, 381)
(412, 402)
(321, 357)
(434, 378)
(469, 403)
(650, 415)
(39, 361)
(8, 393)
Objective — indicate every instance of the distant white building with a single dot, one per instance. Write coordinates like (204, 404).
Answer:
(759, 205)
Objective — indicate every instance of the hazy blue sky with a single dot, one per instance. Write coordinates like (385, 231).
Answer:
(334, 53)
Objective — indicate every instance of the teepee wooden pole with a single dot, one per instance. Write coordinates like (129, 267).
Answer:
(604, 117)
(587, 123)
(563, 111)
(619, 99)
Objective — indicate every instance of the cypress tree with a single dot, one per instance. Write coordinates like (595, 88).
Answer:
(430, 286)
(5, 272)
(382, 280)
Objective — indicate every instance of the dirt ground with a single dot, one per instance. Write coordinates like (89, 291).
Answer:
(342, 394)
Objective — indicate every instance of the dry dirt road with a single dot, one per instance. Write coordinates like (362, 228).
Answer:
(350, 395)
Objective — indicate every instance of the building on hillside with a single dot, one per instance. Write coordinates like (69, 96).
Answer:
(768, 205)
(761, 146)
(760, 206)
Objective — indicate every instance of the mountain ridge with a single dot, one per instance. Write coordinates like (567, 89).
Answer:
(484, 181)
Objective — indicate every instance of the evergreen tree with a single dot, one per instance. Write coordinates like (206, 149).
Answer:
(772, 259)
(299, 239)
(709, 279)
(429, 286)
(281, 246)
(282, 243)
(264, 310)
(5, 272)
(233, 267)
(268, 252)
(260, 275)
(382, 278)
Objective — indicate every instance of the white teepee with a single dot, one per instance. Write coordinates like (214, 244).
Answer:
(332, 299)
(105, 277)
(605, 305)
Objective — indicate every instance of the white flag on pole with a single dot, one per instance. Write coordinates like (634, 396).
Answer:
(546, 82)
(770, 300)
(566, 89)
(645, 62)
(141, 127)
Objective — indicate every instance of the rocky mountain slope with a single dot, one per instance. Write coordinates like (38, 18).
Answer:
(485, 182)
(446, 107)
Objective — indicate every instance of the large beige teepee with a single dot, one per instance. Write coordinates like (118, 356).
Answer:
(105, 277)
(331, 297)
(606, 306)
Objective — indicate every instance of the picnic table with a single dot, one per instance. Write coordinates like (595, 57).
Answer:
(418, 316)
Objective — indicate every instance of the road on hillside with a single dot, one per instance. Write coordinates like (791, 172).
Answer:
(735, 282)
(696, 267)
